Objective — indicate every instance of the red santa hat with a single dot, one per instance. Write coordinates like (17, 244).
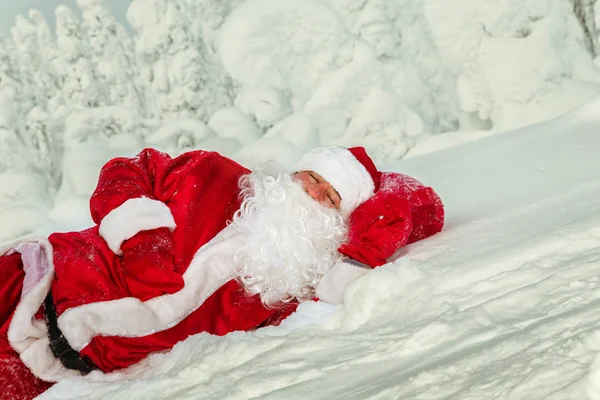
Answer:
(350, 171)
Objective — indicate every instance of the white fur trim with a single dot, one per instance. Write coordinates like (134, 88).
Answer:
(133, 216)
(211, 268)
(333, 285)
(338, 166)
(27, 335)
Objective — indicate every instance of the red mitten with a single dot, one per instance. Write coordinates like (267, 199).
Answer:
(426, 207)
(149, 264)
(378, 228)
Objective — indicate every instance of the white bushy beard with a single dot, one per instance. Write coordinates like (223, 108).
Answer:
(289, 239)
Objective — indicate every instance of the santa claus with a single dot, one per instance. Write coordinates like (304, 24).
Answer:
(197, 244)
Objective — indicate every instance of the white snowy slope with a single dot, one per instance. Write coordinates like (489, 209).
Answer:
(503, 304)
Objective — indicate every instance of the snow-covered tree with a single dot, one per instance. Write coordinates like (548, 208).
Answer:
(10, 86)
(24, 196)
(48, 51)
(375, 21)
(111, 53)
(586, 14)
(211, 15)
(181, 79)
(45, 144)
(81, 87)
(22, 52)
(342, 86)
(399, 33)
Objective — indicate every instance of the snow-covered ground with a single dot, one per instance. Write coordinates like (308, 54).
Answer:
(503, 304)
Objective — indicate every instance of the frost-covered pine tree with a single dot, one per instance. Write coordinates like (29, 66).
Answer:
(52, 64)
(39, 59)
(25, 39)
(209, 17)
(111, 52)
(10, 86)
(586, 14)
(212, 14)
(23, 51)
(398, 32)
(23, 192)
(374, 21)
(44, 125)
(81, 88)
(24, 199)
(180, 78)
(45, 144)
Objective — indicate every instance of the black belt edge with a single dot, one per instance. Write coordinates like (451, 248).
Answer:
(59, 346)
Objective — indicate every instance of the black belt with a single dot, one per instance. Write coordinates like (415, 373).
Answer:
(59, 346)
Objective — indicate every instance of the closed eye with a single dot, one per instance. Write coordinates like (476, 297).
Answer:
(334, 198)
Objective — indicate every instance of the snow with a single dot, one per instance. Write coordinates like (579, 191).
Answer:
(266, 106)
(501, 304)
(297, 129)
(431, 143)
(178, 136)
(274, 41)
(230, 122)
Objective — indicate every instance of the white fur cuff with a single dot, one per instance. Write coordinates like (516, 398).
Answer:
(133, 216)
(333, 285)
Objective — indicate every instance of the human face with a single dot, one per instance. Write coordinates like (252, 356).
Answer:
(318, 188)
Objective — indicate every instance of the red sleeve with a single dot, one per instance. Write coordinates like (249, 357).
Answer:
(148, 175)
(130, 204)
(133, 194)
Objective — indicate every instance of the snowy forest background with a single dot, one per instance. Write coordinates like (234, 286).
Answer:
(261, 79)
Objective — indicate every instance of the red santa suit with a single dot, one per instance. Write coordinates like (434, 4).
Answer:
(155, 269)
(158, 266)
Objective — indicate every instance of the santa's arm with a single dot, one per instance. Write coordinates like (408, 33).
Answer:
(130, 205)
(378, 228)
(130, 197)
